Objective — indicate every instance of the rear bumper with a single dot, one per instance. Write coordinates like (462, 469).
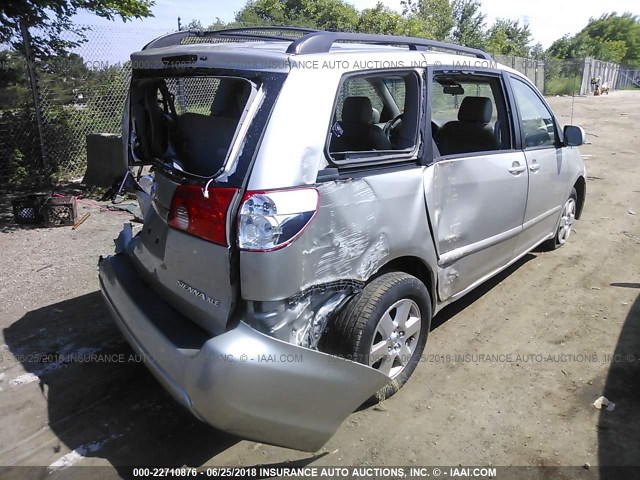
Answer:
(242, 381)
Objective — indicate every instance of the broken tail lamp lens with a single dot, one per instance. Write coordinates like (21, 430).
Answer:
(200, 216)
(270, 220)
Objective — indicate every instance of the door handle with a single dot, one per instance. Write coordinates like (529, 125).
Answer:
(535, 166)
(516, 168)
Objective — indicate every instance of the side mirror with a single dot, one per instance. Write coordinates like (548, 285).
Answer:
(574, 136)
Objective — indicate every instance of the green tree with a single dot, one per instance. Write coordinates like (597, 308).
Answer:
(264, 12)
(14, 81)
(507, 37)
(381, 19)
(218, 25)
(436, 16)
(62, 77)
(324, 14)
(469, 23)
(194, 25)
(335, 15)
(327, 15)
(566, 47)
(537, 52)
(612, 37)
(48, 19)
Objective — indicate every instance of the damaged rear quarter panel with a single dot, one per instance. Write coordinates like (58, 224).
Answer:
(361, 224)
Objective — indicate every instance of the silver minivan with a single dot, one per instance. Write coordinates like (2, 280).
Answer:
(316, 197)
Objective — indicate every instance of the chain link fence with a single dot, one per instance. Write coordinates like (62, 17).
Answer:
(84, 93)
(79, 94)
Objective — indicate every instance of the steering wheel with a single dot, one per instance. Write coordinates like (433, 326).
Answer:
(391, 124)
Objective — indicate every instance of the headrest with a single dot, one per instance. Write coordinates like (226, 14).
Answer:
(357, 109)
(475, 110)
(231, 97)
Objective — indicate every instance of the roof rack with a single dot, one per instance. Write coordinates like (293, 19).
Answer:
(321, 42)
(313, 41)
(248, 33)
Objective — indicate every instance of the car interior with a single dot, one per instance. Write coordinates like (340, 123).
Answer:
(378, 113)
(375, 113)
(468, 113)
(195, 133)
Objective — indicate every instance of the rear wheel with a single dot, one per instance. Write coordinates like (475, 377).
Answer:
(385, 326)
(567, 218)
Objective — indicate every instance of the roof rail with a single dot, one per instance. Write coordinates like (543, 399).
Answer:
(248, 33)
(312, 41)
(321, 42)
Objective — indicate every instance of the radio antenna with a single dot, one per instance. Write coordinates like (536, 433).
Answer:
(573, 98)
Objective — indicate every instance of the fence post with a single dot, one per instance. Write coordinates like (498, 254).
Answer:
(26, 40)
(585, 84)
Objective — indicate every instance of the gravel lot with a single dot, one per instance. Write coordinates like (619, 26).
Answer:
(557, 318)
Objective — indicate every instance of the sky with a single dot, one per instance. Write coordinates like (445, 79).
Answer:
(548, 19)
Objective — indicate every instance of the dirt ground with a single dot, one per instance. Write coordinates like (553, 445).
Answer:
(567, 324)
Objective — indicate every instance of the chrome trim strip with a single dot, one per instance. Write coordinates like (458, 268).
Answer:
(458, 253)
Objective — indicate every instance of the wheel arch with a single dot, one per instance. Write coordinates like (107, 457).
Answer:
(413, 266)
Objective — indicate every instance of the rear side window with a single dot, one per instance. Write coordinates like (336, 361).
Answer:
(190, 122)
(360, 87)
(468, 114)
(536, 121)
(446, 105)
(376, 116)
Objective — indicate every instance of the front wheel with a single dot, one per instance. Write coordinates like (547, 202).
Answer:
(385, 326)
(567, 218)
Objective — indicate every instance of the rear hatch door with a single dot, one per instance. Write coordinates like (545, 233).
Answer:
(192, 274)
(199, 130)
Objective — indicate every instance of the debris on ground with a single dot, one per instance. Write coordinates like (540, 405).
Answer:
(632, 237)
(604, 402)
(81, 221)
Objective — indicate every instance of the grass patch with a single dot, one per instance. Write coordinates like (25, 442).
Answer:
(563, 85)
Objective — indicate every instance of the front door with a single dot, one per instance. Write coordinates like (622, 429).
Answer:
(547, 168)
(476, 191)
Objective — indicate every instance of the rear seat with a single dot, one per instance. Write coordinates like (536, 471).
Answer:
(203, 141)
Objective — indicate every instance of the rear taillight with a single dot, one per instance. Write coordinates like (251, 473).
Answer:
(198, 215)
(269, 220)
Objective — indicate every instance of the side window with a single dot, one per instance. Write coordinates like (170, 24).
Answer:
(536, 122)
(397, 89)
(468, 114)
(376, 115)
(360, 87)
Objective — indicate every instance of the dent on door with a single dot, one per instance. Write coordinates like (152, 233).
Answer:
(476, 206)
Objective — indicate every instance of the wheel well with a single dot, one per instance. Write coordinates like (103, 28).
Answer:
(581, 190)
(413, 266)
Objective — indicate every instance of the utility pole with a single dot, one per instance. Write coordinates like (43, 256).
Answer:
(181, 96)
(26, 41)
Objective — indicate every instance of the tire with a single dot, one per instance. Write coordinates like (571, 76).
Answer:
(360, 334)
(567, 218)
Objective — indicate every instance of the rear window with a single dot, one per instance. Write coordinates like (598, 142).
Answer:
(189, 122)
